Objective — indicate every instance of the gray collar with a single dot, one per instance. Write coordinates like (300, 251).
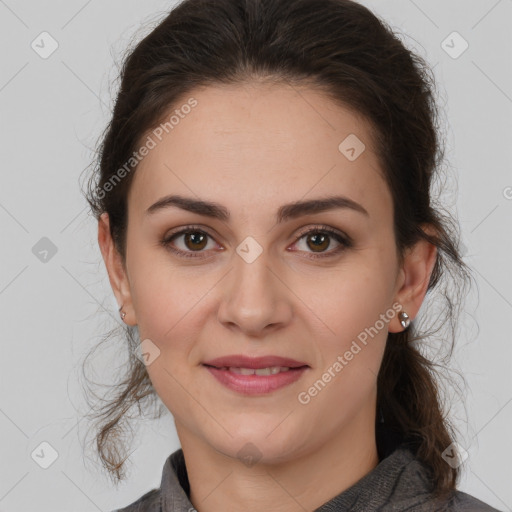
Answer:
(400, 482)
(399, 477)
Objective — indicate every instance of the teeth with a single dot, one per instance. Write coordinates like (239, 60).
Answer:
(272, 370)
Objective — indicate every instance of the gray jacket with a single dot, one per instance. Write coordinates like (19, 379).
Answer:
(398, 483)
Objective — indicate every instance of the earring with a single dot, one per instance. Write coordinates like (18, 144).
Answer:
(123, 314)
(404, 319)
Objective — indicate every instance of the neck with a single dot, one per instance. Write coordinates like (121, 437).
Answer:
(297, 484)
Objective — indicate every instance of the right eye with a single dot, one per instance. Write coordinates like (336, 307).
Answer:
(193, 240)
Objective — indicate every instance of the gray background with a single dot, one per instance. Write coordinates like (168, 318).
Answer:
(54, 311)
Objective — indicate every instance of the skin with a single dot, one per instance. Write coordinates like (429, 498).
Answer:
(253, 148)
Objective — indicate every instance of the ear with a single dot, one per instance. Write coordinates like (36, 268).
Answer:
(115, 269)
(414, 277)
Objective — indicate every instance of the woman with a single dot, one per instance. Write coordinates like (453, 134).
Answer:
(264, 213)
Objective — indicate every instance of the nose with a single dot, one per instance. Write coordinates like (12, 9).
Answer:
(255, 300)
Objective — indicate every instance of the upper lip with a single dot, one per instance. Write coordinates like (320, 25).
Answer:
(241, 361)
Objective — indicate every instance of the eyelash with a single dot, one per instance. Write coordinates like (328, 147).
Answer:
(344, 241)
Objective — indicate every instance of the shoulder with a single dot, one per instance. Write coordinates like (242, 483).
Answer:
(149, 502)
(411, 489)
(466, 503)
(172, 493)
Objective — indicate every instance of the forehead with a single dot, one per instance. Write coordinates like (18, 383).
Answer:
(257, 143)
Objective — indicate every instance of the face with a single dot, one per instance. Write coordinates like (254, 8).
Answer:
(259, 278)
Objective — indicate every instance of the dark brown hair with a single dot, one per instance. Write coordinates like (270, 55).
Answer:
(344, 50)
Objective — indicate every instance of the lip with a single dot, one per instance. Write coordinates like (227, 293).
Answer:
(255, 384)
(242, 361)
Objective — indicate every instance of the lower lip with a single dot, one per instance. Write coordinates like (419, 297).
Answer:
(256, 384)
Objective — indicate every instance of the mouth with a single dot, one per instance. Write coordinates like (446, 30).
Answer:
(270, 370)
(254, 363)
(257, 375)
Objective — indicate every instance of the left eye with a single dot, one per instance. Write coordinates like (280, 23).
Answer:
(317, 240)
(320, 239)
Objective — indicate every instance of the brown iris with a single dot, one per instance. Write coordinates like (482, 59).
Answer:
(321, 241)
(197, 239)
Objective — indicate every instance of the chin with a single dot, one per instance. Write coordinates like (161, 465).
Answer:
(252, 441)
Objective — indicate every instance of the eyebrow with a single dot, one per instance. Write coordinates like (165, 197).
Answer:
(284, 213)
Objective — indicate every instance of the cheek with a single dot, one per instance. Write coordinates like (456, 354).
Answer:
(352, 298)
(169, 308)
(351, 349)
(163, 297)
(354, 306)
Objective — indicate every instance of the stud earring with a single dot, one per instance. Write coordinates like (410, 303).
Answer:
(123, 314)
(404, 319)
